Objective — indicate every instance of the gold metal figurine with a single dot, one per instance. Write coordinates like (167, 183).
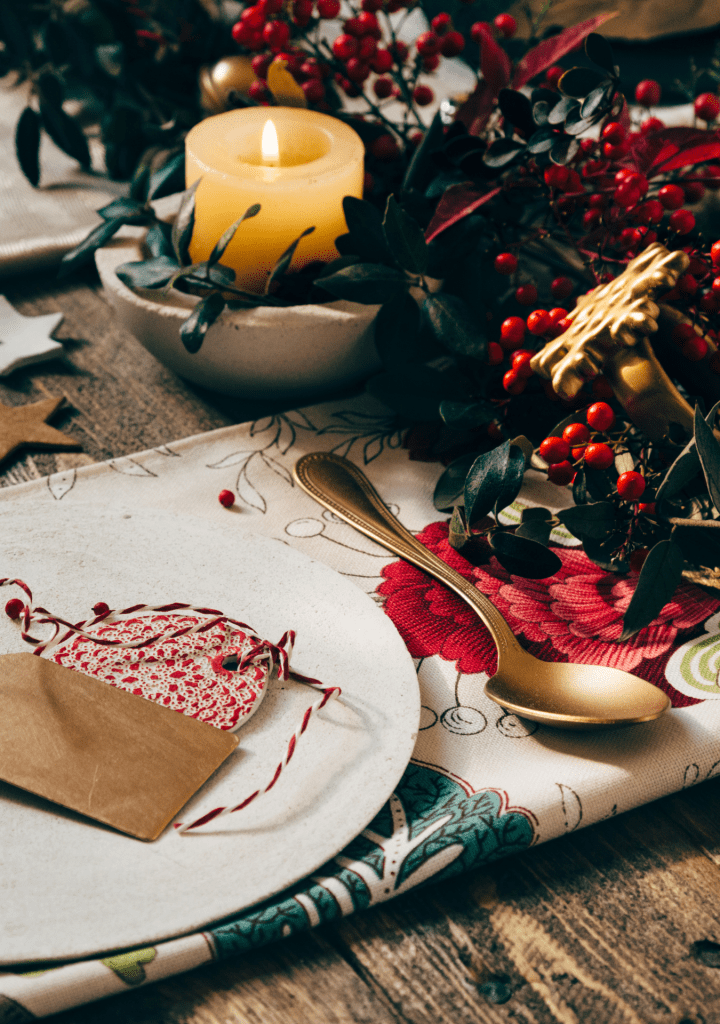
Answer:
(610, 334)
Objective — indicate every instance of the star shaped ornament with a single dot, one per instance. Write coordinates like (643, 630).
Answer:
(24, 426)
(25, 340)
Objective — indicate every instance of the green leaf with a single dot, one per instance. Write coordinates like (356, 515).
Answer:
(494, 479)
(65, 132)
(560, 111)
(157, 241)
(529, 514)
(502, 152)
(708, 450)
(535, 529)
(203, 275)
(83, 253)
(153, 273)
(600, 51)
(370, 283)
(169, 179)
(454, 325)
(699, 545)
(596, 99)
(564, 150)
(285, 260)
(457, 531)
(516, 109)
(450, 488)
(27, 144)
(543, 140)
(524, 557)
(421, 169)
(131, 212)
(467, 415)
(365, 228)
(193, 331)
(579, 82)
(684, 469)
(184, 223)
(227, 236)
(602, 552)
(396, 330)
(593, 521)
(404, 238)
(656, 585)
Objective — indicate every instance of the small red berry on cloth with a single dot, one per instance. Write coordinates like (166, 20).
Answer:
(101, 608)
(226, 499)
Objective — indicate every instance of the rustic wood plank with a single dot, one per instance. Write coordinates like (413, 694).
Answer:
(595, 928)
(301, 981)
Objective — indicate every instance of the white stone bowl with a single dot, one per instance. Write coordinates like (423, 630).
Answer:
(267, 352)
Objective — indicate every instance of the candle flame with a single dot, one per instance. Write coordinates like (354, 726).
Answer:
(269, 145)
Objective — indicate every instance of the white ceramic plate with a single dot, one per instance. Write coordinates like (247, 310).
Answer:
(70, 888)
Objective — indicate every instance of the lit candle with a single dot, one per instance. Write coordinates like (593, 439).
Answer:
(297, 164)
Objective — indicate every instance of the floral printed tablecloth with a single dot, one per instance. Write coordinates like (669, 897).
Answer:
(482, 784)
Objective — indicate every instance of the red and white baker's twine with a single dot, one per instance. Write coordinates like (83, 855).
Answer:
(274, 654)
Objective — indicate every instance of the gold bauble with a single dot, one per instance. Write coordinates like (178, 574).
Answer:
(218, 81)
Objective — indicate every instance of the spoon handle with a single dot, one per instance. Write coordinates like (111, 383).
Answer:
(344, 489)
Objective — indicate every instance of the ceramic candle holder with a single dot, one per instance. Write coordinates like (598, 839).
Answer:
(267, 352)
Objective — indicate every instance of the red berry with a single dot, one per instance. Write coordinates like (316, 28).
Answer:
(261, 63)
(647, 92)
(423, 94)
(479, 30)
(369, 25)
(302, 12)
(671, 196)
(687, 284)
(506, 263)
(628, 238)
(561, 287)
(276, 34)
(385, 147)
(258, 90)
(556, 176)
(682, 221)
(512, 332)
(683, 332)
(520, 361)
(314, 90)
(613, 132)
(345, 47)
(428, 43)
(576, 434)
(328, 8)
(707, 106)
(650, 212)
(554, 449)
(601, 388)
(695, 349)
(715, 254)
(441, 23)
(526, 294)
(599, 456)
(101, 608)
(400, 51)
(553, 75)
(357, 70)
(709, 302)
(716, 286)
(372, 5)
(538, 322)
(14, 608)
(651, 125)
(381, 61)
(630, 485)
(561, 473)
(600, 416)
(627, 194)
(368, 182)
(383, 87)
(514, 383)
(615, 152)
(495, 354)
(506, 25)
(648, 507)
(591, 218)
(694, 191)
(243, 34)
(453, 44)
(226, 499)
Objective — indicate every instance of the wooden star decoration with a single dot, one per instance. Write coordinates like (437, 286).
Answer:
(23, 426)
(25, 340)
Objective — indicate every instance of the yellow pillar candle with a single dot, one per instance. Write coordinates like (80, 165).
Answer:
(298, 168)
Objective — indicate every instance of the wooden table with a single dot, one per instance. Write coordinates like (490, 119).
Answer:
(600, 927)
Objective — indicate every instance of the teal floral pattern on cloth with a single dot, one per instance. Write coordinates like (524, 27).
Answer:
(431, 828)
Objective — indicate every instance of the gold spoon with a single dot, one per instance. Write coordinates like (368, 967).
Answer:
(559, 694)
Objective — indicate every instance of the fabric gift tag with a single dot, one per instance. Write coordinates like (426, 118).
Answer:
(98, 750)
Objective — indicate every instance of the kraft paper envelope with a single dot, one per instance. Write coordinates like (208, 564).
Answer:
(98, 750)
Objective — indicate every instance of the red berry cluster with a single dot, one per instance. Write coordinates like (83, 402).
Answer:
(580, 444)
(541, 324)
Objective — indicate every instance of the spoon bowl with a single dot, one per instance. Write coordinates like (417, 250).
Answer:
(559, 694)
